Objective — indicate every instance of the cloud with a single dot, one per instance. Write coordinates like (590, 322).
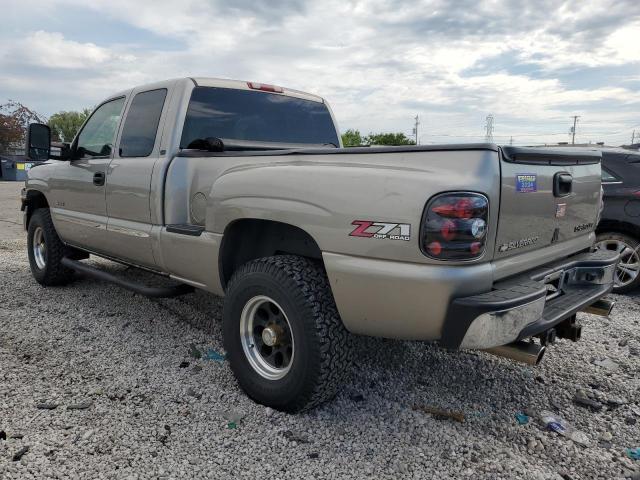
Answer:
(379, 62)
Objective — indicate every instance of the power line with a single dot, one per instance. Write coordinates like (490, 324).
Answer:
(488, 137)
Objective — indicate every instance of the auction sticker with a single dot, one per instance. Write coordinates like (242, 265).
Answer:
(526, 183)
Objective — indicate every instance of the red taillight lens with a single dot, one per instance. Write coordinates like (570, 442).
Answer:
(454, 226)
(264, 87)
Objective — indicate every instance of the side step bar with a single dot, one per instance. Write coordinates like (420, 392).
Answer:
(155, 292)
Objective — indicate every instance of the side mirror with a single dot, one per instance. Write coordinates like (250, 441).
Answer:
(38, 145)
(60, 151)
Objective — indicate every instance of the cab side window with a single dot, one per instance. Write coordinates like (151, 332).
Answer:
(141, 124)
(97, 137)
(608, 177)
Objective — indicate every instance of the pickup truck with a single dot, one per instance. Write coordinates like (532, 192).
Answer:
(244, 190)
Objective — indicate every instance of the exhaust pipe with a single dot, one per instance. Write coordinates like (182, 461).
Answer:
(529, 353)
(602, 307)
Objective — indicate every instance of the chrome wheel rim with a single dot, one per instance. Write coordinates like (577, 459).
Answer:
(266, 337)
(39, 248)
(629, 265)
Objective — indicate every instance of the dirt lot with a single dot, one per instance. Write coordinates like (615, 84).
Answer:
(100, 383)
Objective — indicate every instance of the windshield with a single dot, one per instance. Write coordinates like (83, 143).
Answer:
(256, 116)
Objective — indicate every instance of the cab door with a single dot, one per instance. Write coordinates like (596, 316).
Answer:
(78, 203)
(129, 226)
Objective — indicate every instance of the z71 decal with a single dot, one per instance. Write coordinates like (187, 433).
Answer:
(391, 231)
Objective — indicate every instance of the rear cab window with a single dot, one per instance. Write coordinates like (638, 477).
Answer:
(141, 124)
(256, 116)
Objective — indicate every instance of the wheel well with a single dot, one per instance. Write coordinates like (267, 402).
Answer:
(618, 226)
(35, 200)
(248, 239)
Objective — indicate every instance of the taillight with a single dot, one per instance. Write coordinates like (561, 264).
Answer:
(264, 87)
(454, 226)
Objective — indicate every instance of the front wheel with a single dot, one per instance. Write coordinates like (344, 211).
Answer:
(46, 250)
(628, 269)
(285, 341)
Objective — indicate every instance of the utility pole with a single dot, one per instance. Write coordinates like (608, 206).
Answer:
(633, 137)
(488, 126)
(573, 129)
(511, 141)
(415, 128)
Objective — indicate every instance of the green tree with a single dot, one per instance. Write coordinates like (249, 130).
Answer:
(352, 138)
(65, 125)
(14, 120)
(388, 139)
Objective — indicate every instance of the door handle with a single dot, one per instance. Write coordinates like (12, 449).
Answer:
(98, 178)
(562, 184)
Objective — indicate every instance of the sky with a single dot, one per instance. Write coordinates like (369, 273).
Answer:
(379, 63)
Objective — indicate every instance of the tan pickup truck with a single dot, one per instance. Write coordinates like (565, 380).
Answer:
(244, 190)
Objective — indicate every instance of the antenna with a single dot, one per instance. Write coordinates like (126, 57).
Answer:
(488, 126)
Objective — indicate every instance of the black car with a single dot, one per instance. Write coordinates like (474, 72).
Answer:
(619, 227)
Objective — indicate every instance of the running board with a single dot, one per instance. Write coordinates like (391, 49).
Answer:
(155, 292)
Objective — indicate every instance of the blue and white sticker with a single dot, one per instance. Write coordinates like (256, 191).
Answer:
(526, 182)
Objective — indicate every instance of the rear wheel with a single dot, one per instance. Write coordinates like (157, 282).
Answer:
(285, 342)
(627, 276)
(46, 250)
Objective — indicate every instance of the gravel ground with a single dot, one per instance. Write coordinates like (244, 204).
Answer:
(101, 383)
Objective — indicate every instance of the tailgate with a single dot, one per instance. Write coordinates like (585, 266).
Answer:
(548, 196)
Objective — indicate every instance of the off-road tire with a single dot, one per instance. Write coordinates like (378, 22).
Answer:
(322, 344)
(53, 273)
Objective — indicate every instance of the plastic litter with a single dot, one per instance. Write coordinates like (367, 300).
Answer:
(20, 453)
(633, 453)
(607, 364)
(194, 352)
(440, 413)
(561, 426)
(231, 425)
(522, 418)
(211, 354)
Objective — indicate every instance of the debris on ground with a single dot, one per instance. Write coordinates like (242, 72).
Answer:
(192, 393)
(3, 435)
(231, 425)
(440, 413)
(211, 354)
(581, 399)
(561, 426)
(196, 369)
(607, 364)
(194, 352)
(80, 406)
(295, 437)
(313, 455)
(184, 364)
(633, 453)
(20, 453)
(234, 416)
(358, 397)
(46, 406)
(522, 418)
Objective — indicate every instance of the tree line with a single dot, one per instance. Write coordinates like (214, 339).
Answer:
(16, 117)
(353, 138)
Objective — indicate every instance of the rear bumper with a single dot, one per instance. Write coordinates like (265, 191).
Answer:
(529, 304)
